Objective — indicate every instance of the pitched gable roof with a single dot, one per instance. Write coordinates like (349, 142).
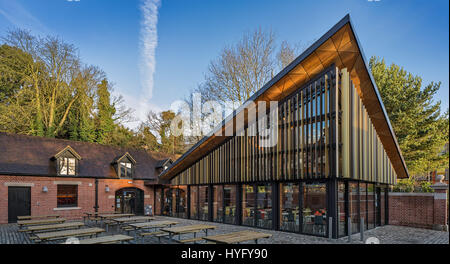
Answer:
(126, 155)
(69, 149)
(340, 47)
(29, 155)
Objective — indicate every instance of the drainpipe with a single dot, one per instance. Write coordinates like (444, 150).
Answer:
(96, 195)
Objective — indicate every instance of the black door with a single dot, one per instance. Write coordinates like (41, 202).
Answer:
(378, 206)
(19, 202)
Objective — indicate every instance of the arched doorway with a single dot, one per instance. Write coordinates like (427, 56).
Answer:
(130, 201)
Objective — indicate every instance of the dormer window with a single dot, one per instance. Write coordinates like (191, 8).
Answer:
(125, 170)
(67, 162)
(124, 166)
(67, 166)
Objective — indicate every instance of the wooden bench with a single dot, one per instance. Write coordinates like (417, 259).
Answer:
(157, 234)
(48, 228)
(237, 237)
(127, 229)
(33, 217)
(113, 239)
(190, 240)
(58, 235)
(46, 221)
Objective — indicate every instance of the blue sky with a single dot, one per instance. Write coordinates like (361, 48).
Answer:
(413, 34)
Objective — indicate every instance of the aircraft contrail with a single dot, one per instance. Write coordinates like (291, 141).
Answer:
(148, 44)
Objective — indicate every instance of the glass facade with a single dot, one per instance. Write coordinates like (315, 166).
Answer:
(264, 206)
(203, 202)
(229, 196)
(383, 206)
(194, 202)
(363, 203)
(342, 217)
(371, 206)
(181, 202)
(168, 207)
(248, 205)
(355, 200)
(218, 203)
(158, 201)
(353, 206)
(286, 186)
(289, 207)
(314, 209)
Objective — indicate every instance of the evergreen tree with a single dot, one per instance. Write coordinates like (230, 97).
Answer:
(105, 122)
(416, 118)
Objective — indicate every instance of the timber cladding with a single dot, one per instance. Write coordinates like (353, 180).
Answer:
(324, 131)
(340, 48)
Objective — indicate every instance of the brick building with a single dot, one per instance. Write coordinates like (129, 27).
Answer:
(41, 176)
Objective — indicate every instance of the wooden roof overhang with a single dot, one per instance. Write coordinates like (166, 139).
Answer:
(340, 47)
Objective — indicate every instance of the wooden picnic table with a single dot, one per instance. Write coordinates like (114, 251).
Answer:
(95, 215)
(69, 233)
(131, 219)
(106, 239)
(36, 229)
(148, 225)
(32, 217)
(179, 230)
(109, 216)
(103, 217)
(40, 221)
(237, 237)
(154, 224)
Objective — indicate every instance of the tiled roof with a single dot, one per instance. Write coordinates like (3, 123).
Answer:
(29, 155)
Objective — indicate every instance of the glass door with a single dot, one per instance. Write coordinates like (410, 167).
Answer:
(378, 206)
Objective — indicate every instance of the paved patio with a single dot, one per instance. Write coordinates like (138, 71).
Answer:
(385, 234)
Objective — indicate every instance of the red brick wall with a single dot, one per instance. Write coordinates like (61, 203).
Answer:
(45, 203)
(422, 210)
(106, 199)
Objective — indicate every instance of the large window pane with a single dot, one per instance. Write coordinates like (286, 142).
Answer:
(229, 196)
(363, 202)
(289, 209)
(158, 202)
(203, 202)
(353, 198)
(341, 209)
(67, 195)
(383, 206)
(194, 202)
(264, 206)
(168, 198)
(181, 201)
(71, 166)
(248, 205)
(218, 203)
(314, 208)
(371, 205)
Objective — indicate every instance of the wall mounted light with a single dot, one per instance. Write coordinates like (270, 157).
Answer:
(107, 188)
(44, 189)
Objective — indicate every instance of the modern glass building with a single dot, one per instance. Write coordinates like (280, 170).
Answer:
(335, 157)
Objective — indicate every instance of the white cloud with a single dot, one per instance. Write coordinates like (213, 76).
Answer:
(141, 108)
(148, 44)
(148, 41)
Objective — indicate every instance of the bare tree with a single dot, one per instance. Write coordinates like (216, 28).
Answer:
(240, 70)
(286, 54)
